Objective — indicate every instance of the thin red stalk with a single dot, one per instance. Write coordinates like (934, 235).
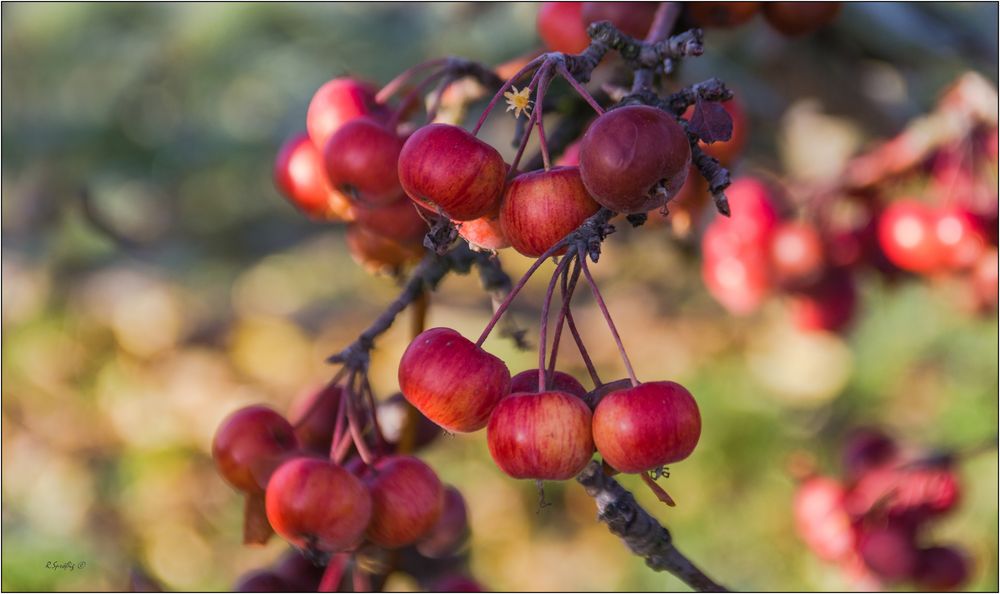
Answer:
(340, 448)
(370, 394)
(411, 97)
(333, 574)
(506, 87)
(580, 89)
(568, 286)
(360, 580)
(539, 102)
(607, 317)
(438, 94)
(338, 428)
(533, 118)
(397, 83)
(358, 437)
(517, 289)
(544, 325)
(591, 369)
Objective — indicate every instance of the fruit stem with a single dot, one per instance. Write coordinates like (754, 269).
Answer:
(438, 95)
(539, 103)
(394, 85)
(506, 87)
(366, 388)
(533, 118)
(517, 289)
(333, 574)
(580, 89)
(568, 286)
(354, 424)
(360, 580)
(607, 317)
(412, 96)
(544, 324)
(338, 429)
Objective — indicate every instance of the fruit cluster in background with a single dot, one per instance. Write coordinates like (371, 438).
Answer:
(875, 520)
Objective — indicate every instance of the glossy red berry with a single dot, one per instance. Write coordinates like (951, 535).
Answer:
(889, 551)
(914, 492)
(527, 381)
(629, 153)
(300, 177)
(445, 167)
(361, 161)
(250, 444)
(337, 102)
(821, 518)
(451, 529)
(484, 233)
(942, 569)
(402, 221)
(541, 435)
(906, 232)
(828, 305)
(721, 14)
(315, 504)
(800, 18)
(648, 426)
(540, 208)
(961, 236)
(631, 18)
(407, 499)
(738, 280)
(561, 27)
(796, 254)
(452, 381)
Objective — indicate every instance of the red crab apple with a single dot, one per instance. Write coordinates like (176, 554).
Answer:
(379, 254)
(627, 152)
(337, 102)
(796, 254)
(829, 305)
(250, 444)
(484, 233)
(799, 18)
(738, 281)
(541, 207)
(647, 426)
(889, 551)
(451, 529)
(444, 166)
(906, 232)
(821, 518)
(313, 503)
(631, 18)
(961, 237)
(361, 161)
(407, 499)
(918, 492)
(402, 221)
(314, 417)
(722, 14)
(941, 569)
(541, 435)
(561, 27)
(527, 381)
(300, 177)
(451, 380)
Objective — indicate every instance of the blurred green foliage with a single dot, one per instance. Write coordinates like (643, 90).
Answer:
(120, 361)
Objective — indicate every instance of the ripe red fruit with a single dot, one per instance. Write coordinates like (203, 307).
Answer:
(560, 25)
(452, 381)
(300, 177)
(889, 551)
(907, 235)
(627, 152)
(541, 435)
(379, 254)
(796, 254)
(315, 504)
(539, 208)
(451, 529)
(631, 18)
(754, 218)
(961, 237)
(250, 444)
(799, 18)
(984, 279)
(527, 381)
(941, 569)
(905, 492)
(400, 221)
(821, 519)
(722, 14)
(361, 161)
(866, 449)
(648, 426)
(828, 305)
(484, 233)
(739, 281)
(407, 498)
(314, 418)
(335, 103)
(444, 166)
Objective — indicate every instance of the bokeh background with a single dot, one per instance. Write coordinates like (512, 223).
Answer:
(160, 122)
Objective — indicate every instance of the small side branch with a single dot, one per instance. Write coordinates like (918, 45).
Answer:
(643, 535)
